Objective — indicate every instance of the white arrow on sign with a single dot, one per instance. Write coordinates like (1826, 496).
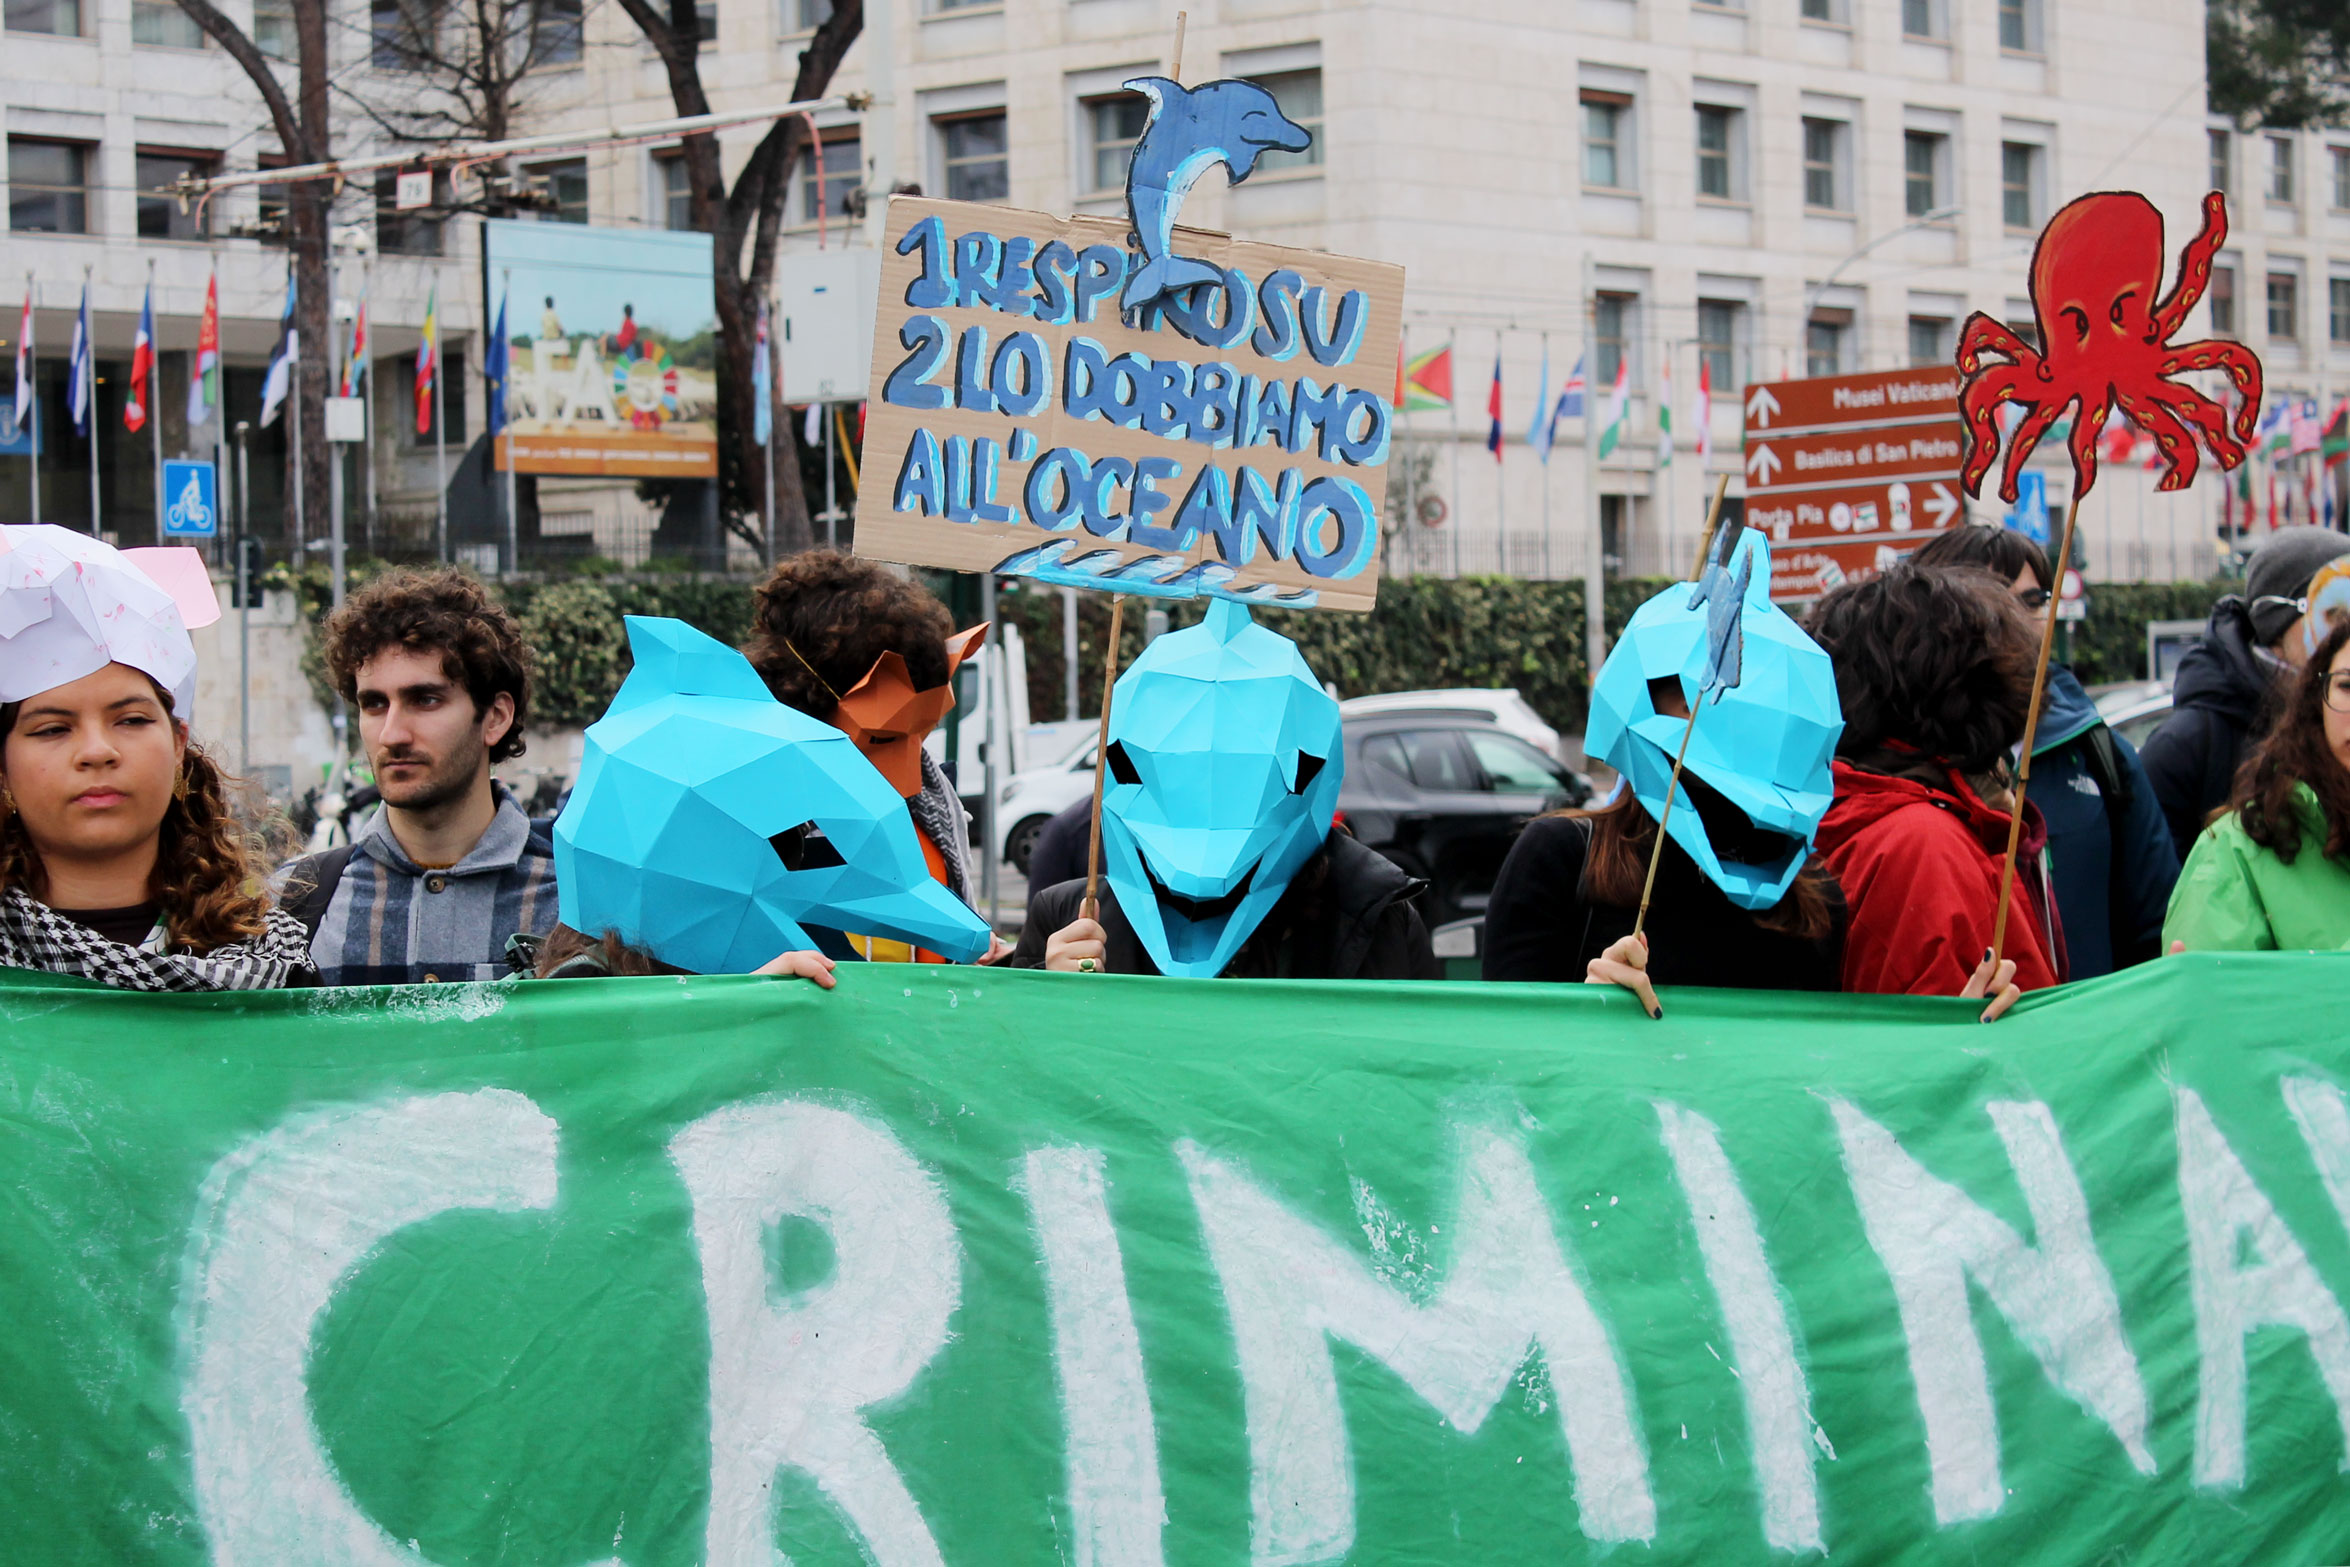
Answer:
(1765, 460)
(1760, 405)
(1941, 505)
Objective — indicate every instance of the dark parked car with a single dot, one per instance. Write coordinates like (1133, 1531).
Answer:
(1443, 796)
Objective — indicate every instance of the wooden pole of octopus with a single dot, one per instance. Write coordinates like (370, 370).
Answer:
(1091, 908)
(2015, 809)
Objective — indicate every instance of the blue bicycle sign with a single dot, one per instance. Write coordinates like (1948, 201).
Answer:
(191, 501)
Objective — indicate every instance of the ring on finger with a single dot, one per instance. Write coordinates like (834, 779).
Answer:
(1085, 966)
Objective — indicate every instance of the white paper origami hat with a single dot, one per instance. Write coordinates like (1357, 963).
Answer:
(71, 604)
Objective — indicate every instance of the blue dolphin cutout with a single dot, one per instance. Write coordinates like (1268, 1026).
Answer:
(1724, 598)
(1192, 129)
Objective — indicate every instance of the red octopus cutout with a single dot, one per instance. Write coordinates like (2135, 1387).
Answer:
(2095, 273)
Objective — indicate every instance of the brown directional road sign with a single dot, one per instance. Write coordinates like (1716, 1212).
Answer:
(1847, 473)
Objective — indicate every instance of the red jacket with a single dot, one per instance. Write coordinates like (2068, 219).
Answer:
(1920, 871)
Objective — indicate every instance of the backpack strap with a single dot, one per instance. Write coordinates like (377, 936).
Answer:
(309, 888)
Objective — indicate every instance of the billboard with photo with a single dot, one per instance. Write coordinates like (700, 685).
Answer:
(614, 349)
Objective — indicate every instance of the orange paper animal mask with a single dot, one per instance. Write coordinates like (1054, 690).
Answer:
(889, 719)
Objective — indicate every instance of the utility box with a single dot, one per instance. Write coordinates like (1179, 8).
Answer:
(825, 304)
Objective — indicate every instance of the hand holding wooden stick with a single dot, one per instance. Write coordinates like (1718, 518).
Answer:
(2015, 810)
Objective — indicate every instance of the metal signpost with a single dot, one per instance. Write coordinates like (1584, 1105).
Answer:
(1847, 473)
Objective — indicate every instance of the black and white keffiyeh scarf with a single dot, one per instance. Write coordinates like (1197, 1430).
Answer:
(941, 816)
(34, 936)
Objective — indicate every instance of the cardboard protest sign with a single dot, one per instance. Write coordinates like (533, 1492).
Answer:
(1228, 440)
(970, 1267)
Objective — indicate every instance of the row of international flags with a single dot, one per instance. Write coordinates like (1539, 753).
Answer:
(1425, 381)
(204, 394)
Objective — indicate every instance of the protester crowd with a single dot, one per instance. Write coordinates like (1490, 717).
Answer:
(1859, 850)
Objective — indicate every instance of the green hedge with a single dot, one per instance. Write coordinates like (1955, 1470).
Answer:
(1426, 632)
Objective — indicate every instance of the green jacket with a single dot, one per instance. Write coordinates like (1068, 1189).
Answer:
(2235, 895)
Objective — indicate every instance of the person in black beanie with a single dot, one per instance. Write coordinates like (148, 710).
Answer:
(2227, 686)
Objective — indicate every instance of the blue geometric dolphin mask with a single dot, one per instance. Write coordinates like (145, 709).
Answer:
(1224, 764)
(680, 834)
(1756, 781)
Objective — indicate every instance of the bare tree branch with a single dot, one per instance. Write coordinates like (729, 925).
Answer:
(256, 67)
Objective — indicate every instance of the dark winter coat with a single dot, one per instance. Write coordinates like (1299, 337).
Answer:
(2221, 699)
(1346, 915)
(2111, 863)
(1539, 925)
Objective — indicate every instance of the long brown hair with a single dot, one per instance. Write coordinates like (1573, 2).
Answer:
(207, 877)
(2293, 753)
(1616, 866)
(617, 957)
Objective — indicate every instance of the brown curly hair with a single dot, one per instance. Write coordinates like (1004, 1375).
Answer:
(839, 614)
(439, 608)
(207, 878)
(1933, 663)
(2295, 752)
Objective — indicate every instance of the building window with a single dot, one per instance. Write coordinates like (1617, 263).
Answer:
(1820, 11)
(160, 216)
(2020, 322)
(2019, 30)
(449, 401)
(1607, 154)
(1823, 164)
(1612, 329)
(2338, 167)
(1298, 95)
(673, 192)
(270, 201)
(401, 34)
(844, 173)
(161, 24)
(2284, 305)
(2338, 309)
(1718, 331)
(273, 28)
(960, 5)
(1922, 153)
(557, 31)
(416, 232)
(972, 154)
(1929, 341)
(2223, 300)
(805, 16)
(1921, 18)
(2019, 179)
(706, 24)
(1824, 337)
(565, 185)
(61, 18)
(2219, 164)
(1112, 127)
(2280, 168)
(48, 187)
(1717, 171)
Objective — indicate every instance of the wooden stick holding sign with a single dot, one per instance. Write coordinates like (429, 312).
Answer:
(1091, 908)
(1718, 627)
(2015, 809)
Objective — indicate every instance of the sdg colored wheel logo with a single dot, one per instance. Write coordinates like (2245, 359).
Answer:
(645, 386)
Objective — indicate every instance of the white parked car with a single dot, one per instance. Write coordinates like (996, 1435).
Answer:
(1027, 800)
(1504, 709)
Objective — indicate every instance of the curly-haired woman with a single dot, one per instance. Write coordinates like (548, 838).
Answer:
(852, 643)
(2272, 871)
(120, 859)
(1934, 670)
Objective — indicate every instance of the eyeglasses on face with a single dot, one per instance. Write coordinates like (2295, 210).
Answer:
(2034, 598)
(2338, 690)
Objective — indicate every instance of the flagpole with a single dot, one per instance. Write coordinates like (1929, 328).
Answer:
(32, 368)
(1594, 547)
(774, 385)
(1458, 515)
(1672, 507)
(1542, 412)
(440, 433)
(90, 400)
(154, 399)
(367, 392)
(1501, 521)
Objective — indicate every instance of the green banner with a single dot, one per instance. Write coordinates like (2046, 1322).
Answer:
(951, 1266)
